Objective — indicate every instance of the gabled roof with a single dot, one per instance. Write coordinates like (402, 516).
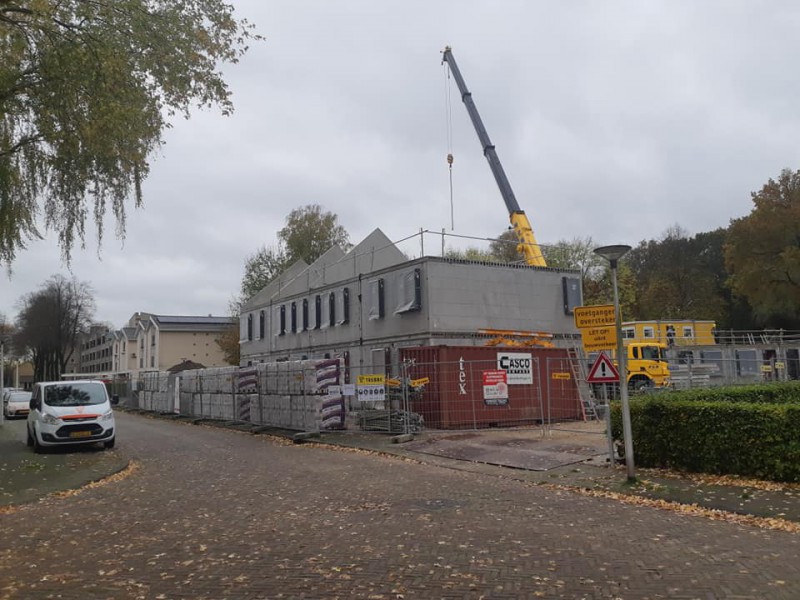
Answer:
(185, 320)
(180, 323)
(185, 365)
(373, 253)
(273, 287)
(191, 323)
(316, 274)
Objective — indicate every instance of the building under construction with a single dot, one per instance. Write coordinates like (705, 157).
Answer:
(365, 304)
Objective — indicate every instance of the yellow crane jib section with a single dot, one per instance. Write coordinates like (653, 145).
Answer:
(528, 246)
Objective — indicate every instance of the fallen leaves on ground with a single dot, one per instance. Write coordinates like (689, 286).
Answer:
(686, 509)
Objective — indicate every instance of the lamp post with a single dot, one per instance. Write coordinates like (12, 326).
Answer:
(612, 254)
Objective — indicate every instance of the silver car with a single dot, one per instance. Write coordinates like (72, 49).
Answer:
(16, 403)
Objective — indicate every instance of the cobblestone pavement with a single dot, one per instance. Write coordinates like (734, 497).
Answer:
(213, 513)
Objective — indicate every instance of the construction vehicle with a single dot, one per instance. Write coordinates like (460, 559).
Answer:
(527, 247)
(646, 363)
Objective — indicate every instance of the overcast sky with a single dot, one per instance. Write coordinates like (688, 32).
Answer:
(613, 120)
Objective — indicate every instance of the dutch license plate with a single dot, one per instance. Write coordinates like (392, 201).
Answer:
(80, 434)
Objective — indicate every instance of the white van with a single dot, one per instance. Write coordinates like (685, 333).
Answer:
(68, 413)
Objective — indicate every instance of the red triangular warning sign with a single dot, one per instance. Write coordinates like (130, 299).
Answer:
(603, 371)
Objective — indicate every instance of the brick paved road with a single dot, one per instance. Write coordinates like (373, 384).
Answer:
(217, 514)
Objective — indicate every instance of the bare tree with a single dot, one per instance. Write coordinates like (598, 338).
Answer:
(50, 322)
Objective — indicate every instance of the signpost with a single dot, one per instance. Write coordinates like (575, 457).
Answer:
(371, 388)
(599, 338)
(603, 371)
(601, 315)
(597, 325)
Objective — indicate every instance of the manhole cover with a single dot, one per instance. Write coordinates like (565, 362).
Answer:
(436, 504)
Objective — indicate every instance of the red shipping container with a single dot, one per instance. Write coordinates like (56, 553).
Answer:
(541, 386)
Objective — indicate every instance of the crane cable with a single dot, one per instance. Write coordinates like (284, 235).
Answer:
(449, 120)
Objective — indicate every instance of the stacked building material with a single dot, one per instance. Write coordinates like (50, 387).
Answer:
(390, 421)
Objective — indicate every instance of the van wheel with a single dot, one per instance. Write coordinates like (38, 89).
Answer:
(37, 447)
(29, 440)
(109, 444)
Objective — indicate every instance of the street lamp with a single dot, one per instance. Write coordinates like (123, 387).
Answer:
(612, 254)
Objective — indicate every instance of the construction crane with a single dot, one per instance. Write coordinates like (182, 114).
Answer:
(527, 246)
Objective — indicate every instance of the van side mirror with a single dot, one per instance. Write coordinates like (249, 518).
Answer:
(33, 404)
(114, 399)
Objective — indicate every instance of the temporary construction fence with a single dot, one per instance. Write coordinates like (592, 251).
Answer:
(435, 388)
(708, 368)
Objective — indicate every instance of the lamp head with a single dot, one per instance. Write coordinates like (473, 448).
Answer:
(612, 253)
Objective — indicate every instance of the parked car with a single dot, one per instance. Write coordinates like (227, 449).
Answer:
(16, 403)
(69, 413)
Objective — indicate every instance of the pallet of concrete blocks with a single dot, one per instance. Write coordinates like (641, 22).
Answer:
(229, 407)
(282, 383)
(307, 377)
(330, 412)
(326, 373)
(150, 382)
(162, 382)
(243, 407)
(225, 380)
(261, 374)
(211, 406)
(202, 405)
(271, 409)
(269, 375)
(190, 381)
(186, 407)
(285, 411)
(256, 410)
(295, 375)
(194, 403)
(210, 382)
(213, 381)
(302, 409)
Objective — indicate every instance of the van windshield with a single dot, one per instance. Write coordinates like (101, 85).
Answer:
(75, 394)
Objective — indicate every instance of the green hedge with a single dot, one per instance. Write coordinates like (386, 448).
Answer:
(772, 393)
(729, 436)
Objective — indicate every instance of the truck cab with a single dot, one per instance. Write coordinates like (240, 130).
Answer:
(647, 365)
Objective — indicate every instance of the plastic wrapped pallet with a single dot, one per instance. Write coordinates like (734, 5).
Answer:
(282, 383)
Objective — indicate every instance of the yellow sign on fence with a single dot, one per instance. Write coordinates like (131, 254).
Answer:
(371, 379)
(601, 315)
(565, 376)
(419, 382)
(599, 338)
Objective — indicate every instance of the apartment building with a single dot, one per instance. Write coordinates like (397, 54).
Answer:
(152, 342)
